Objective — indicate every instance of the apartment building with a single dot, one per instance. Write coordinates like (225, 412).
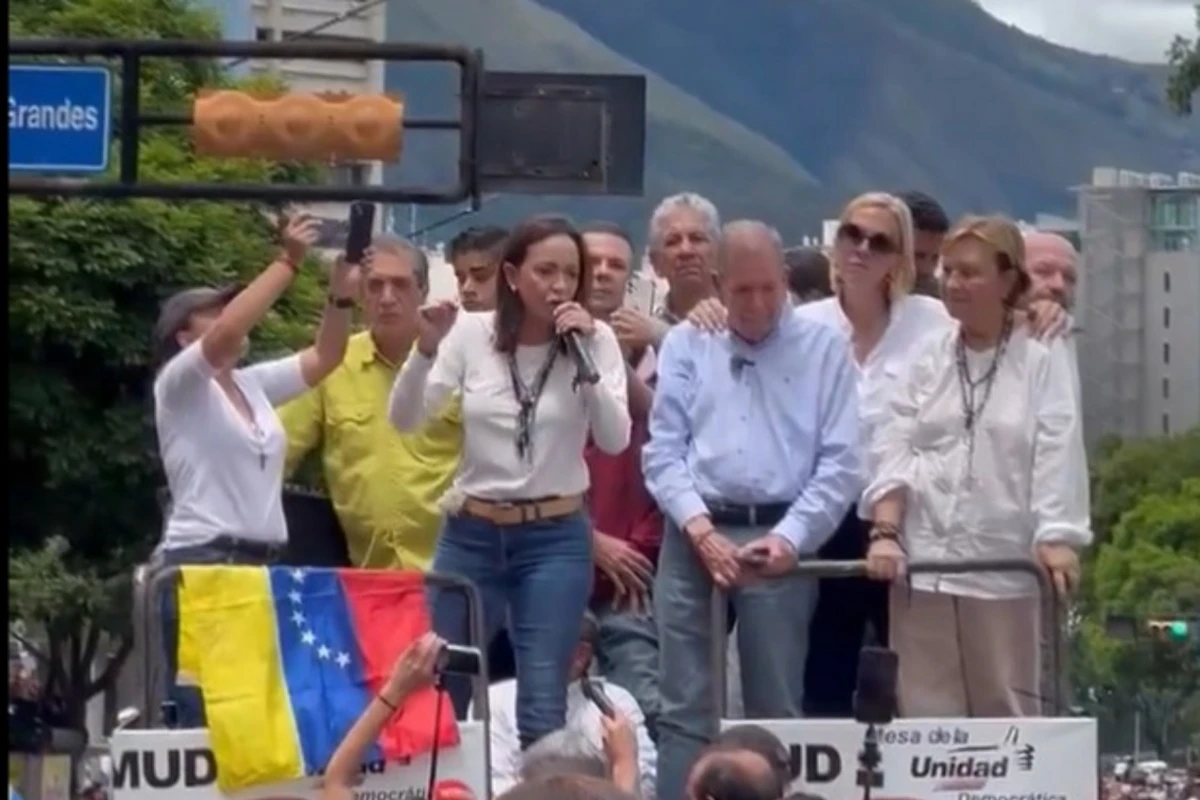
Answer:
(1138, 302)
(316, 21)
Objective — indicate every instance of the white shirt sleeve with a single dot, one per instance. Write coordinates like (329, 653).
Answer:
(505, 743)
(1060, 500)
(647, 754)
(891, 459)
(1073, 355)
(280, 379)
(180, 379)
(424, 386)
(607, 401)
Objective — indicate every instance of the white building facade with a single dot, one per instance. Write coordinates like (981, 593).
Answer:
(317, 21)
(1138, 303)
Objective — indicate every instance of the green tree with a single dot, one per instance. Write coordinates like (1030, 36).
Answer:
(1147, 567)
(85, 281)
(1122, 472)
(1184, 57)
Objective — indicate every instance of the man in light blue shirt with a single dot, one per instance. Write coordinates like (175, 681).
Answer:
(754, 459)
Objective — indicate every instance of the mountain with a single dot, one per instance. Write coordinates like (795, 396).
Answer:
(689, 145)
(783, 109)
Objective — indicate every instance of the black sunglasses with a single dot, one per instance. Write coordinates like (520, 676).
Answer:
(879, 244)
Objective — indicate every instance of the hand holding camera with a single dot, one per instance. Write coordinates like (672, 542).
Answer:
(415, 669)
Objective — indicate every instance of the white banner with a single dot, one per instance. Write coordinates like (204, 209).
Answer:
(955, 759)
(178, 764)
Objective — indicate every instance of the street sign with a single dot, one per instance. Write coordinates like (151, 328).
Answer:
(59, 118)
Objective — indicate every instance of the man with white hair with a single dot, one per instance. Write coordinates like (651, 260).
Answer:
(682, 243)
(1053, 267)
(754, 459)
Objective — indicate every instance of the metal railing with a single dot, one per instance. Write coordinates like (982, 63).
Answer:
(150, 638)
(858, 569)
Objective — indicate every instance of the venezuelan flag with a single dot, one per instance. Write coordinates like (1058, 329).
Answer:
(288, 659)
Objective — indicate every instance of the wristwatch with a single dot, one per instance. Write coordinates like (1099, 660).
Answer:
(341, 302)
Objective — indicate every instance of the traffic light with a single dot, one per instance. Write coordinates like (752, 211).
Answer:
(298, 127)
(1174, 630)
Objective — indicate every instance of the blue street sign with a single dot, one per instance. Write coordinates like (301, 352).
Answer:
(59, 118)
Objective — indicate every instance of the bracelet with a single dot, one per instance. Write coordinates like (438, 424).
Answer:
(284, 259)
(387, 702)
(341, 302)
(884, 530)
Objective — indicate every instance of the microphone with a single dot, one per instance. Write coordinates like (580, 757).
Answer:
(737, 364)
(874, 696)
(585, 367)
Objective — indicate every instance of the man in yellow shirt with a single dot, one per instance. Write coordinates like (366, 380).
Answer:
(384, 485)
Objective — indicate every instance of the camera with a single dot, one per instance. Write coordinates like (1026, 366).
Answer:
(456, 660)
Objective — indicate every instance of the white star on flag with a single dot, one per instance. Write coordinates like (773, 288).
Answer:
(308, 636)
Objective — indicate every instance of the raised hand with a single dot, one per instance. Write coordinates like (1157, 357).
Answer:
(434, 322)
(299, 234)
(634, 330)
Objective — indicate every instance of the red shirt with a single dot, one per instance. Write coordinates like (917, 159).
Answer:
(619, 503)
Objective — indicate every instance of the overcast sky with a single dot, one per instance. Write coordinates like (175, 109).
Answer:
(1135, 29)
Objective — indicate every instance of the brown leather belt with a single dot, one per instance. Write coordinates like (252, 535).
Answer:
(519, 512)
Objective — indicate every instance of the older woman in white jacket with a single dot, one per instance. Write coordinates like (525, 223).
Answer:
(980, 457)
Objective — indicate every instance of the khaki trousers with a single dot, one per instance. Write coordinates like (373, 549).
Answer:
(965, 656)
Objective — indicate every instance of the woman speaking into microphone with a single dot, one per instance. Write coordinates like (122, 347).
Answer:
(516, 524)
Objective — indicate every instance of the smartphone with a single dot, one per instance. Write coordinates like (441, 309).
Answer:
(596, 695)
(640, 294)
(362, 227)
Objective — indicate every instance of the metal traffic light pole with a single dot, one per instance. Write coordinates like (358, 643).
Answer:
(131, 119)
(524, 133)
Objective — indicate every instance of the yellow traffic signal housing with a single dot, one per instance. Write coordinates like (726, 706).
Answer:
(299, 127)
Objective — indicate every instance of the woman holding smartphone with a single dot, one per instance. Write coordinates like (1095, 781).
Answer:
(220, 440)
(516, 525)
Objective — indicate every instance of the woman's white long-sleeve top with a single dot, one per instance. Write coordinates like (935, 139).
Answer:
(468, 366)
(1027, 482)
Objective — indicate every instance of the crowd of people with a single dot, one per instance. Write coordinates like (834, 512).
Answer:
(907, 395)
(1133, 782)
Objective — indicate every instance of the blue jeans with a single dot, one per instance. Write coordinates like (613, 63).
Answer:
(627, 655)
(189, 703)
(772, 617)
(537, 577)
